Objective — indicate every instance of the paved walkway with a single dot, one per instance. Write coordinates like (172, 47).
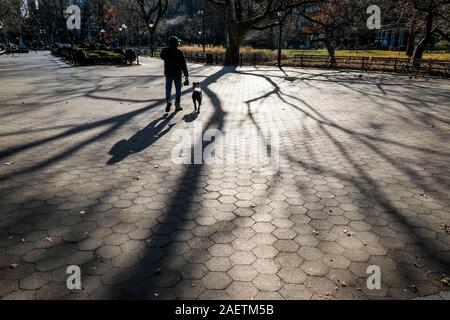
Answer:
(86, 179)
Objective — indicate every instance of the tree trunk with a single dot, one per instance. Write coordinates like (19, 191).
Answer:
(233, 48)
(331, 51)
(151, 32)
(428, 37)
(411, 42)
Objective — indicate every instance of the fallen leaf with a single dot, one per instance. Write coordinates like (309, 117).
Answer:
(414, 288)
(315, 233)
(445, 280)
(49, 239)
(445, 227)
(342, 283)
(348, 233)
(8, 163)
(13, 265)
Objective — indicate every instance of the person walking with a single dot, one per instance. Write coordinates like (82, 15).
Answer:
(174, 67)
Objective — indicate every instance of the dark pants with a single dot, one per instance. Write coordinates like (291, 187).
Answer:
(177, 81)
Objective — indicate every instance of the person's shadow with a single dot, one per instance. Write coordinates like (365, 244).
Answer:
(191, 117)
(141, 140)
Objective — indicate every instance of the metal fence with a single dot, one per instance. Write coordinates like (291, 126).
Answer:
(398, 65)
(365, 64)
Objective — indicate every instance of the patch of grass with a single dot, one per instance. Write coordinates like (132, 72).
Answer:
(247, 52)
(102, 53)
(441, 56)
(272, 54)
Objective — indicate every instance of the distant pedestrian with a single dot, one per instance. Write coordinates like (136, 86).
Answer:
(174, 67)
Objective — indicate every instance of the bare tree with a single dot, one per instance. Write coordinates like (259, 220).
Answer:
(329, 18)
(151, 13)
(436, 12)
(244, 15)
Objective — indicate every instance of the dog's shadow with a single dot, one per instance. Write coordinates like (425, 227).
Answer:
(191, 117)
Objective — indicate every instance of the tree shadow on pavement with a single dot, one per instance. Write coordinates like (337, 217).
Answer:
(142, 139)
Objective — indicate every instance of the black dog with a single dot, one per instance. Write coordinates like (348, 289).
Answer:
(197, 96)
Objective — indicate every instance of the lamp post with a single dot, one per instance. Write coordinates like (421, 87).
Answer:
(280, 14)
(151, 25)
(121, 36)
(202, 13)
(1, 30)
(102, 36)
(124, 28)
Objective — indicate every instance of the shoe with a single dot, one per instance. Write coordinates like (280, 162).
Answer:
(169, 105)
(178, 108)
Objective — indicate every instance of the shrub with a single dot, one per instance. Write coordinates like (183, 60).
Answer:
(119, 50)
(248, 53)
(80, 57)
(130, 55)
(443, 45)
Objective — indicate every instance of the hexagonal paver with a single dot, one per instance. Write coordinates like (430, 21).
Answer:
(267, 282)
(216, 280)
(221, 250)
(242, 273)
(108, 252)
(266, 266)
(243, 257)
(193, 271)
(265, 252)
(219, 264)
(292, 275)
(34, 281)
(295, 292)
(314, 268)
(242, 290)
